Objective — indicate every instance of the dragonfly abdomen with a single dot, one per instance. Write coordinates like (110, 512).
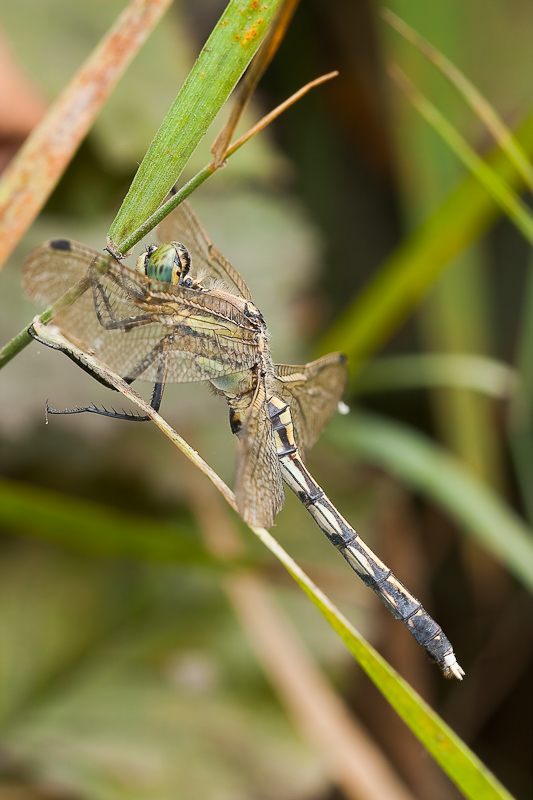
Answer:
(372, 571)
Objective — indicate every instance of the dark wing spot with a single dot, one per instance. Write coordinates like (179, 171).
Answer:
(60, 244)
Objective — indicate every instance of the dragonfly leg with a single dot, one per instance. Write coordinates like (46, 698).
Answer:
(155, 403)
(106, 313)
(157, 393)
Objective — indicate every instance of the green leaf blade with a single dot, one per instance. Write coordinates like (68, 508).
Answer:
(411, 270)
(463, 767)
(94, 528)
(234, 41)
(430, 469)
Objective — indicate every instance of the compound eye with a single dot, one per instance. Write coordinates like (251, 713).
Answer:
(168, 263)
(182, 262)
(144, 259)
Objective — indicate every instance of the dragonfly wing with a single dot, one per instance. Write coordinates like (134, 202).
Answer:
(55, 266)
(258, 484)
(313, 392)
(130, 323)
(182, 225)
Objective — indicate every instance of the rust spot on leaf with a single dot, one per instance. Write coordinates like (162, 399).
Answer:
(252, 31)
(250, 34)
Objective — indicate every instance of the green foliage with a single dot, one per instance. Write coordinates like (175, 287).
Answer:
(433, 471)
(99, 642)
(233, 43)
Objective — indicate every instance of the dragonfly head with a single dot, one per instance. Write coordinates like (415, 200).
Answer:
(168, 263)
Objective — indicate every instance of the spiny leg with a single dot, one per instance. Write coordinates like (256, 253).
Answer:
(158, 352)
(155, 403)
(106, 313)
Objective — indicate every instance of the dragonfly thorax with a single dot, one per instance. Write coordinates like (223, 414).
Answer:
(168, 263)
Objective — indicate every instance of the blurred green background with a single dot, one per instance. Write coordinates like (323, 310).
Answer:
(124, 671)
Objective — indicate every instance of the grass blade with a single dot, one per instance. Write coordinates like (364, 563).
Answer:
(420, 463)
(472, 96)
(501, 193)
(452, 754)
(415, 265)
(226, 54)
(429, 370)
(94, 528)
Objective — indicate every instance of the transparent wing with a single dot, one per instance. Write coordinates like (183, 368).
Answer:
(131, 323)
(55, 266)
(182, 225)
(313, 392)
(258, 484)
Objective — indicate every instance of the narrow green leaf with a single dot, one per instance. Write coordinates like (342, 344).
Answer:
(94, 528)
(520, 418)
(455, 758)
(482, 374)
(415, 265)
(234, 41)
(425, 466)
(470, 93)
(501, 193)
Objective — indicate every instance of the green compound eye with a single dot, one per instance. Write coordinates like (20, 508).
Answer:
(169, 263)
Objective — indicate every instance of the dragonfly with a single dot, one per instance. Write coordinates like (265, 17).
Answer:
(185, 314)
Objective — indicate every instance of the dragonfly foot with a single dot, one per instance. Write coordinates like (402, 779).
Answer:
(104, 412)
